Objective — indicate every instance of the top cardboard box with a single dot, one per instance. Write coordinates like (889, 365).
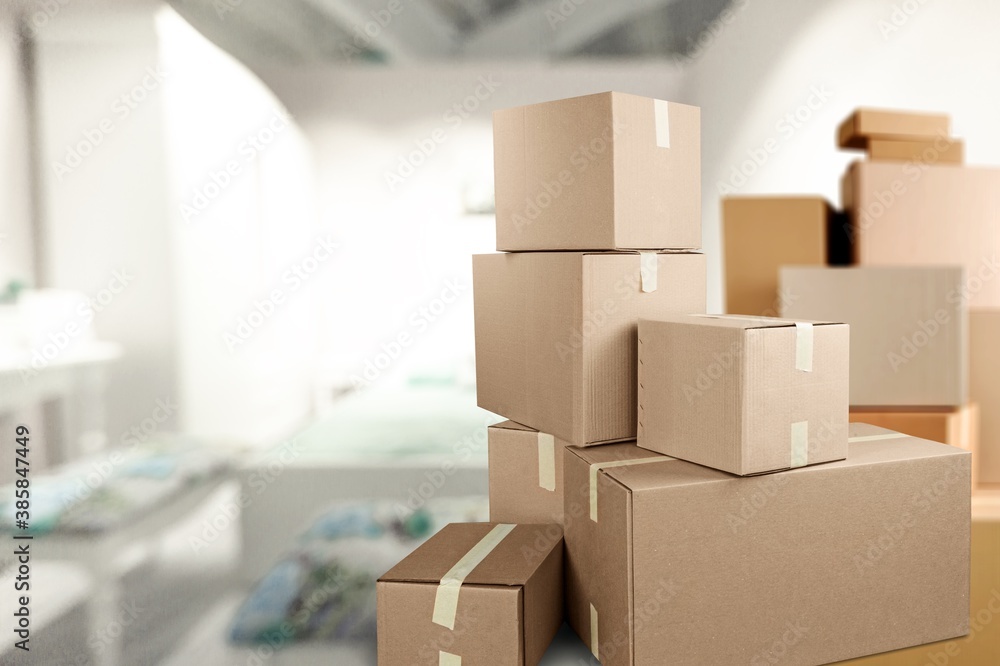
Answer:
(866, 124)
(602, 172)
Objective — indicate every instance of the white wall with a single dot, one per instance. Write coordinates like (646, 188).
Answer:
(16, 254)
(404, 241)
(943, 56)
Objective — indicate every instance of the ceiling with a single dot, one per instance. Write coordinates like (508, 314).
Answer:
(408, 31)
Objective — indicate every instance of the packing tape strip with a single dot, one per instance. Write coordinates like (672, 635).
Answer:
(594, 642)
(648, 264)
(597, 467)
(872, 438)
(800, 444)
(546, 461)
(803, 346)
(446, 599)
(449, 659)
(661, 110)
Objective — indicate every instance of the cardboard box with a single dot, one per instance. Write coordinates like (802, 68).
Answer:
(600, 172)
(746, 395)
(761, 234)
(905, 214)
(555, 334)
(689, 565)
(942, 150)
(475, 593)
(984, 375)
(526, 475)
(954, 426)
(909, 329)
(866, 124)
(982, 645)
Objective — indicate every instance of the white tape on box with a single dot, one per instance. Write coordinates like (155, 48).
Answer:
(595, 643)
(803, 346)
(449, 659)
(800, 444)
(546, 461)
(648, 266)
(446, 599)
(661, 110)
(874, 438)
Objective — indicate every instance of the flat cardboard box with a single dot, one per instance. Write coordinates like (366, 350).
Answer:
(909, 329)
(601, 172)
(509, 605)
(556, 334)
(984, 375)
(942, 150)
(954, 426)
(761, 234)
(982, 646)
(866, 124)
(745, 395)
(690, 565)
(905, 214)
(526, 475)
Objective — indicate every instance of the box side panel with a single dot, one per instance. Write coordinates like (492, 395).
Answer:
(940, 151)
(544, 598)
(985, 389)
(509, 160)
(525, 477)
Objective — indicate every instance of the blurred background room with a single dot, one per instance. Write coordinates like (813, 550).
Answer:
(236, 308)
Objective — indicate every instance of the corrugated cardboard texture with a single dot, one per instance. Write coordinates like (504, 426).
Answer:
(913, 215)
(587, 173)
(761, 234)
(942, 150)
(809, 566)
(556, 341)
(509, 609)
(909, 329)
(866, 124)
(516, 492)
(725, 392)
(984, 353)
(953, 426)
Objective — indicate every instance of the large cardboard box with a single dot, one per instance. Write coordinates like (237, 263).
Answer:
(982, 646)
(669, 562)
(984, 355)
(954, 426)
(556, 334)
(526, 475)
(905, 214)
(474, 593)
(746, 395)
(941, 151)
(761, 234)
(600, 172)
(909, 329)
(866, 124)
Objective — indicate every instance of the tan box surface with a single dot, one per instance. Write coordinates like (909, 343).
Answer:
(526, 475)
(865, 124)
(909, 329)
(599, 172)
(984, 361)
(556, 335)
(761, 234)
(940, 151)
(690, 565)
(746, 395)
(509, 605)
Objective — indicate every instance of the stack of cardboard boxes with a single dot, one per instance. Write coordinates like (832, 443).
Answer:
(714, 503)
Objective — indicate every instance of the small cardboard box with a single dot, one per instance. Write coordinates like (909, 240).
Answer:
(746, 395)
(674, 563)
(909, 329)
(984, 356)
(601, 172)
(942, 150)
(761, 234)
(954, 426)
(905, 214)
(474, 593)
(526, 475)
(866, 124)
(555, 334)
